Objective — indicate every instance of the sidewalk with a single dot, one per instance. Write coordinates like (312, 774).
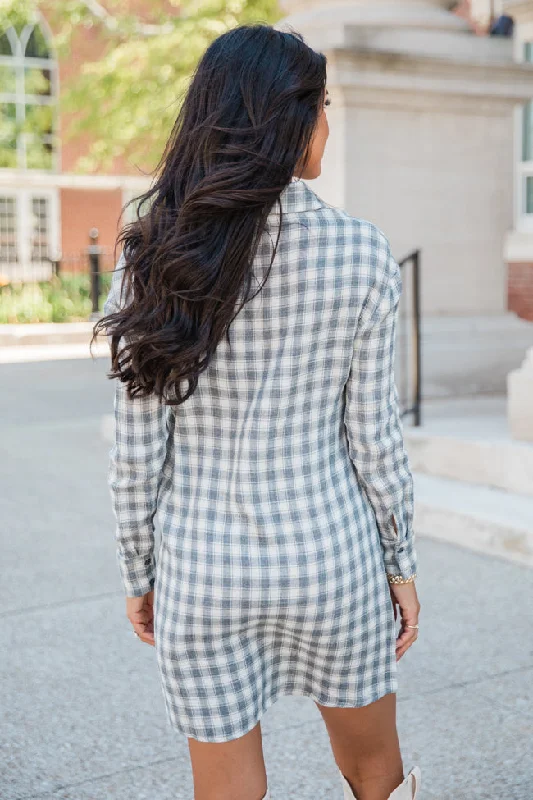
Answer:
(85, 717)
(473, 482)
(49, 342)
(43, 333)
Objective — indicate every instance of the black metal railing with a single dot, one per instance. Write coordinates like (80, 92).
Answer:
(409, 340)
(76, 285)
(68, 287)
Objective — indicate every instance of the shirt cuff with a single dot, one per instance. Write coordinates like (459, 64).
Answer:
(401, 558)
(137, 574)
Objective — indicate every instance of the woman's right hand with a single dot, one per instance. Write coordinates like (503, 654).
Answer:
(405, 601)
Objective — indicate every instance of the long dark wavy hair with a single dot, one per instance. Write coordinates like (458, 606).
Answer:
(243, 130)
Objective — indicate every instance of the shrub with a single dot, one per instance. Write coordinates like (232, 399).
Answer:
(63, 298)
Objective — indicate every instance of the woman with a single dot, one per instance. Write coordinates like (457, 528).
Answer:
(264, 430)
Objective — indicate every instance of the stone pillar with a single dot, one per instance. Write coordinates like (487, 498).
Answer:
(422, 145)
(520, 400)
(425, 14)
(384, 6)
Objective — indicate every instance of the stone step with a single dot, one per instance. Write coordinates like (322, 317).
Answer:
(493, 461)
(468, 439)
(479, 518)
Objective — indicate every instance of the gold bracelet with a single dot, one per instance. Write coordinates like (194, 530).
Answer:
(398, 579)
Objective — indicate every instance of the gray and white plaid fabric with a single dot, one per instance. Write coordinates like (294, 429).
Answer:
(282, 487)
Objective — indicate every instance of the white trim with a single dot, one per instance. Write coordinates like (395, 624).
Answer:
(517, 143)
(518, 246)
(33, 178)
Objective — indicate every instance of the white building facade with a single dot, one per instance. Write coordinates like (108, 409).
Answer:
(424, 143)
(519, 242)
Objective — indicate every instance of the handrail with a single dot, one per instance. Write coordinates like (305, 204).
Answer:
(415, 409)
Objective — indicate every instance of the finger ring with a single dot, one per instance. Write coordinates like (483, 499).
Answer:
(412, 626)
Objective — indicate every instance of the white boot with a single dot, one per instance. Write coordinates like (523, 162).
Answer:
(407, 790)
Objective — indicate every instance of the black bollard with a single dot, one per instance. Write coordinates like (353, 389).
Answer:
(94, 251)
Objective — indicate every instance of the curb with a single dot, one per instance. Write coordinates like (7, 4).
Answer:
(52, 352)
(480, 518)
(46, 333)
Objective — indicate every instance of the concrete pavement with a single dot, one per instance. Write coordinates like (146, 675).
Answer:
(83, 715)
(43, 333)
(49, 342)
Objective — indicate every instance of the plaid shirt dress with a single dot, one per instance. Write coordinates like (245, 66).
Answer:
(281, 486)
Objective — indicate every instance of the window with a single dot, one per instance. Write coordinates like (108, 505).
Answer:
(28, 100)
(40, 229)
(28, 233)
(525, 165)
(8, 231)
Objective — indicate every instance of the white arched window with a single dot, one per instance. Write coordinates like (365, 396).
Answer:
(28, 99)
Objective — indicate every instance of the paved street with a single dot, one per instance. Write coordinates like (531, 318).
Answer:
(82, 710)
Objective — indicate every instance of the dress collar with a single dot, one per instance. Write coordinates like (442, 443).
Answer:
(297, 197)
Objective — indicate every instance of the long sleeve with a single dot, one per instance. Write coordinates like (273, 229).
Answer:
(372, 415)
(135, 464)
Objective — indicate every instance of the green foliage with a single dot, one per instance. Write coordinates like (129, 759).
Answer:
(65, 298)
(128, 98)
(17, 13)
(132, 95)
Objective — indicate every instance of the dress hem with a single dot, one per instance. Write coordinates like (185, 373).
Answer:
(179, 728)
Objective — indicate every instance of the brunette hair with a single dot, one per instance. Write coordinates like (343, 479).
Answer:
(244, 127)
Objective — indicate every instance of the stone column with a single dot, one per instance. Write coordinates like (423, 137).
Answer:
(430, 14)
(422, 145)
(520, 400)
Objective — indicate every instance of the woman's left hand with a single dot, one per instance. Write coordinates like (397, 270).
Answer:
(140, 612)
(405, 602)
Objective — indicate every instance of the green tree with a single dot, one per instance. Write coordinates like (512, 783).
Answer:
(127, 98)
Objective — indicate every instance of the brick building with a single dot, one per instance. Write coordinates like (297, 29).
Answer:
(518, 247)
(47, 207)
